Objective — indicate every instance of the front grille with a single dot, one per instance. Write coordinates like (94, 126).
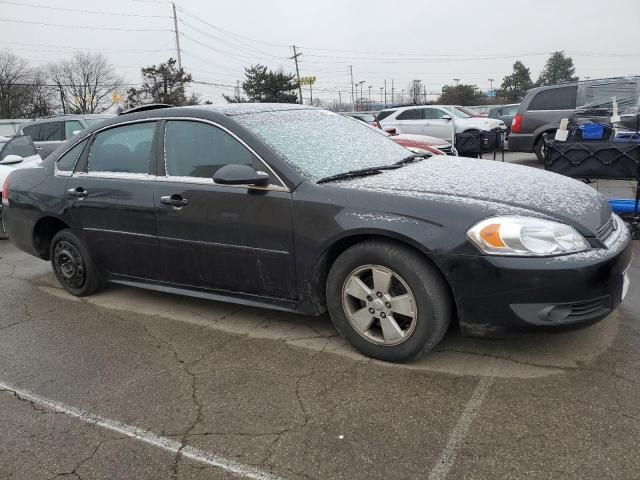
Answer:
(446, 150)
(606, 230)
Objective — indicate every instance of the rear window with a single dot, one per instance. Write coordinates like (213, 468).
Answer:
(384, 114)
(561, 98)
(21, 146)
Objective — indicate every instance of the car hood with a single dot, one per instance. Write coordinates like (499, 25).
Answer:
(494, 188)
(482, 123)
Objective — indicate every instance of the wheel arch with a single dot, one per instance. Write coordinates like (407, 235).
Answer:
(339, 245)
(43, 232)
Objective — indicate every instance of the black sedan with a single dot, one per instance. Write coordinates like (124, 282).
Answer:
(300, 209)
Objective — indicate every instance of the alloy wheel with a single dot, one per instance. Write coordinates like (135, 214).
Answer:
(379, 305)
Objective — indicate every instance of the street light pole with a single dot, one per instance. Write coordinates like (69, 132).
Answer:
(457, 80)
(381, 90)
(369, 96)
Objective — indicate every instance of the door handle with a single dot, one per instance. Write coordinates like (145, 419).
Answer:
(78, 192)
(174, 200)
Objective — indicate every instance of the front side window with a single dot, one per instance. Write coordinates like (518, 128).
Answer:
(67, 163)
(195, 149)
(433, 113)
(70, 127)
(384, 114)
(125, 149)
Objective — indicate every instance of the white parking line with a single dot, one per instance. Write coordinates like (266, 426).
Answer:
(471, 409)
(143, 435)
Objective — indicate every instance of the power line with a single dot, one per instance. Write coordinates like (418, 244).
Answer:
(69, 47)
(87, 27)
(74, 10)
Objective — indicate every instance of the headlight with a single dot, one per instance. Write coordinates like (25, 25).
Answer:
(526, 236)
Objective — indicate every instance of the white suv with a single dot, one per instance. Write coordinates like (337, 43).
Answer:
(434, 120)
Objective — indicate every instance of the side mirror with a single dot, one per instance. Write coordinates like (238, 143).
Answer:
(240, 175)
(390, 130)
(9, 159)
(446, 117)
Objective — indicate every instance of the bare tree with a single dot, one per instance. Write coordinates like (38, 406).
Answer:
(85, 83)
(14, 80)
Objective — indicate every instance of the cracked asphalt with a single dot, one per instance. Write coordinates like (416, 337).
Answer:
(283, 396)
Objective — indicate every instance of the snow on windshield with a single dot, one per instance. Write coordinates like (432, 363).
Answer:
(319, 143)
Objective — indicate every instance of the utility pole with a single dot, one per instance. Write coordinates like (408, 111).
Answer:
(352, 97)
(369, 96)
(381, 89)
(311, 91)
(385, 92)
(393, 97)
(424, 93)
(295, 57)
(491, 89)
(175, 28)
(340, 98)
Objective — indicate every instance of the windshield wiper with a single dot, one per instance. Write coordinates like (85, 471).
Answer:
(416, 157)
(358, 173)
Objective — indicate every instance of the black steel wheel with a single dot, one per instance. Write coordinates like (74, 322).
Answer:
(72, 265)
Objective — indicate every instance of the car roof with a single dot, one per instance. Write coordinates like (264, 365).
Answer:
(68, 116)
(232, 109)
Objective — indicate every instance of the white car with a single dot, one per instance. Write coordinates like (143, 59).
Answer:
(434, 120)
(17, 152)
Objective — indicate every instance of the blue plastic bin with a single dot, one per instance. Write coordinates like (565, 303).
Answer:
(622, 205)
(592, 131)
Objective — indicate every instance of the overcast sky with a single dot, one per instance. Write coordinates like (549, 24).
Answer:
(434, 41)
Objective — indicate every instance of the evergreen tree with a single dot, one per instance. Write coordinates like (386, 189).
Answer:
(461, 95)
(558, 69)
(266, 86)
(515, 86)
(164, 83)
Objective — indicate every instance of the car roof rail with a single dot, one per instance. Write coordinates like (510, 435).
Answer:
(144, 108)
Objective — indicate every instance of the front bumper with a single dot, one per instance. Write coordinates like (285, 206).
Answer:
(498, 296)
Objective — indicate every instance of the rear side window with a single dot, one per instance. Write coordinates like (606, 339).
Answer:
(195, 149)
(67, 163)
(70, 127)
(561, 98)
(384, 114)
(125, 149)
(34, 131)
(413, 114)
(22, 146)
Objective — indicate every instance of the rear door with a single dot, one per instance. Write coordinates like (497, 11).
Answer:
(110, 198)
(221, 237)
(409, 121)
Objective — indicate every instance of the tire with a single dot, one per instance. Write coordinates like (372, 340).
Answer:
(73, 265)
(538, 148)
(358, 318)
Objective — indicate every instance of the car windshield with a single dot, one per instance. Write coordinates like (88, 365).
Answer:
(460, 113)
(319, 143)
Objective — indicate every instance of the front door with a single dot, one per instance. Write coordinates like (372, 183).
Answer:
(110, 198)
(229, 238)
(435, 125)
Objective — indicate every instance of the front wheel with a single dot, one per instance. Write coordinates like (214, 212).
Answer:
(388, 301)
(73, 266)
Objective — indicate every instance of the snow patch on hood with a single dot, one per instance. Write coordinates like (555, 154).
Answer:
(495, 185)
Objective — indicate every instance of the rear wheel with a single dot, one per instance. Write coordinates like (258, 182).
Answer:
(388, 301)
(539, 148)
(72, 265)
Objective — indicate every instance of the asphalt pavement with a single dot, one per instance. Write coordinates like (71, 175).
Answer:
(135, 384)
